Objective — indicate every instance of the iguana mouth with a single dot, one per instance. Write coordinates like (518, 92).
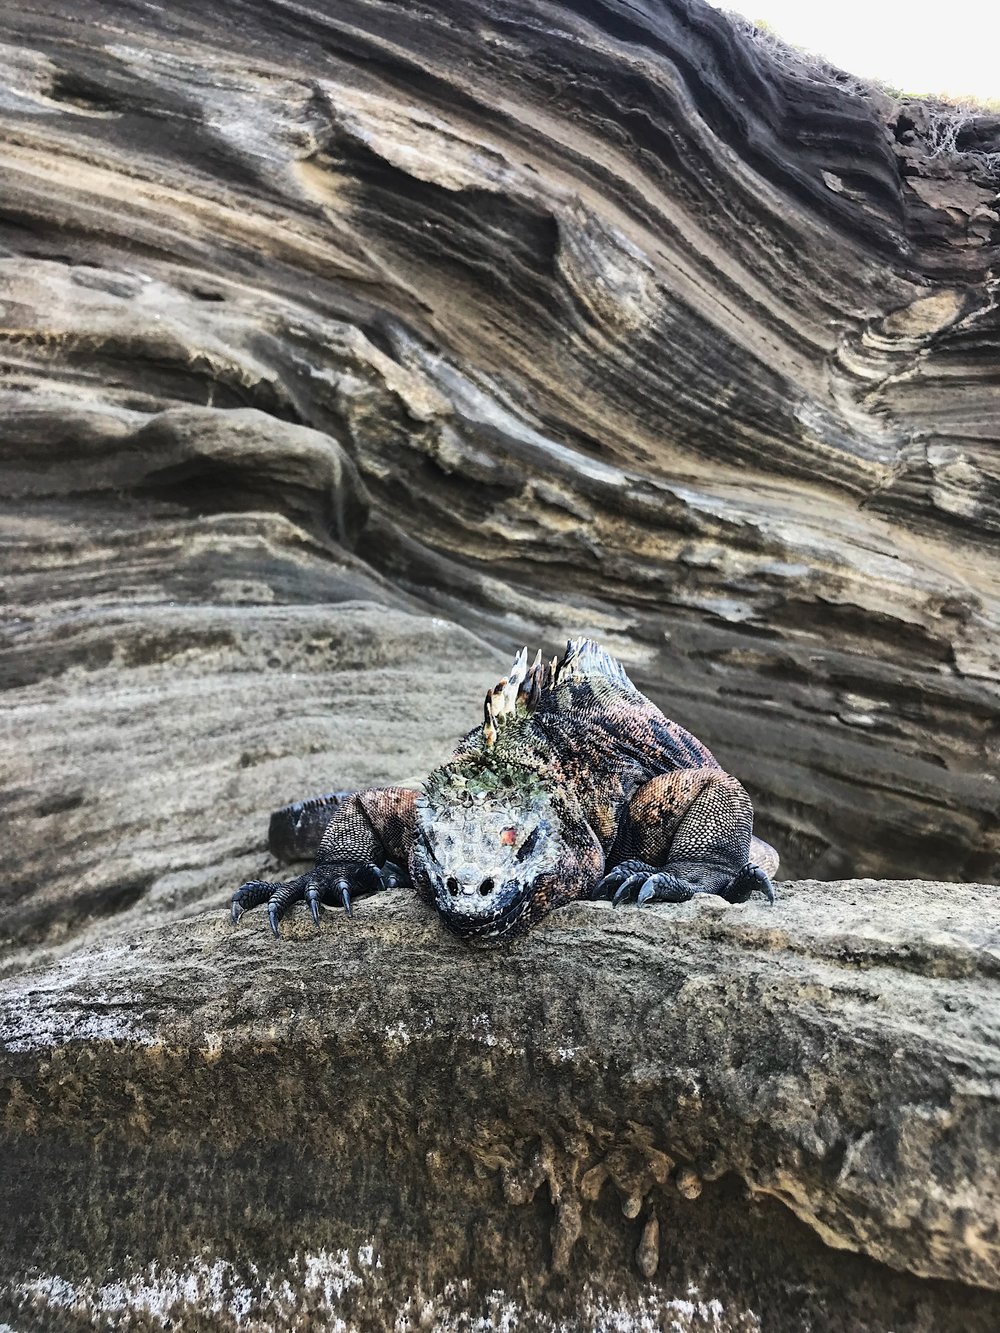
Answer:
(502, 920)
(481, 907)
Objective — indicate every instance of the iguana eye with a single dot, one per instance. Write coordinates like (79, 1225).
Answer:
(508, 837)
(529, 844)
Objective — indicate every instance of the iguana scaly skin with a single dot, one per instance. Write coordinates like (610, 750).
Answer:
(574, 786)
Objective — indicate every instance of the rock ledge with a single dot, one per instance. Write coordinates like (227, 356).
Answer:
(538, 1122)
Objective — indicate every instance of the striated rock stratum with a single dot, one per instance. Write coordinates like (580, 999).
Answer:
(345, 347)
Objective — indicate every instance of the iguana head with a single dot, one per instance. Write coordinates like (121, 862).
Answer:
(489, 848)
(498, 841)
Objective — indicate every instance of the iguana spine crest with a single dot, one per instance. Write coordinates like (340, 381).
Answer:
(524, 686)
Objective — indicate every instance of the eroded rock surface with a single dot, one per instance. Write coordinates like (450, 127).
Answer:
(627, 1110)
(561, 317)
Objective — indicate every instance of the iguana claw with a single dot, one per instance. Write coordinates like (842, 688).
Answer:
(635, 881)
(392, 876)
(619, 883)
(751, 879)
(249, 895)
(333, 886)
(312, 898)
(665, 888)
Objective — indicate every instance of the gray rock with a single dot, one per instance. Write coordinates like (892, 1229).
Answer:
(617, 320)
(386, 1119)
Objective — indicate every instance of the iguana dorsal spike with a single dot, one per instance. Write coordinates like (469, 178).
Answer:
(531, 687)
(521, 690)
(585, 657)
(509, 692)
(489, 724)
(520, 686)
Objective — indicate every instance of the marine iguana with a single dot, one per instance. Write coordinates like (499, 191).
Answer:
(574, 786)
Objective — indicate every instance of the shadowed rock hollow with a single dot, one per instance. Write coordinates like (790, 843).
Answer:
(343, 348)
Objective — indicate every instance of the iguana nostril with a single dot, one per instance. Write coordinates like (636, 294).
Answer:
(452, 884)
(486, 887)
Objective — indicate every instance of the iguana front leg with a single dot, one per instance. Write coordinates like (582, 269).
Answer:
(685, 833)
(365, 848)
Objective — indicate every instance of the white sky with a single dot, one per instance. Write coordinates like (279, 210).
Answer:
(909, 44)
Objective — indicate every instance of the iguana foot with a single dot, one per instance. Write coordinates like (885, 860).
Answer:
(333, 885)
(639, 882)
(751, 879)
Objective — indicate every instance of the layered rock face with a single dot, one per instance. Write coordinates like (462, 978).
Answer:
(559, 317)
(346, 347)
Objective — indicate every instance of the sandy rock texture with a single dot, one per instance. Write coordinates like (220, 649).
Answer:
(344, 347)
